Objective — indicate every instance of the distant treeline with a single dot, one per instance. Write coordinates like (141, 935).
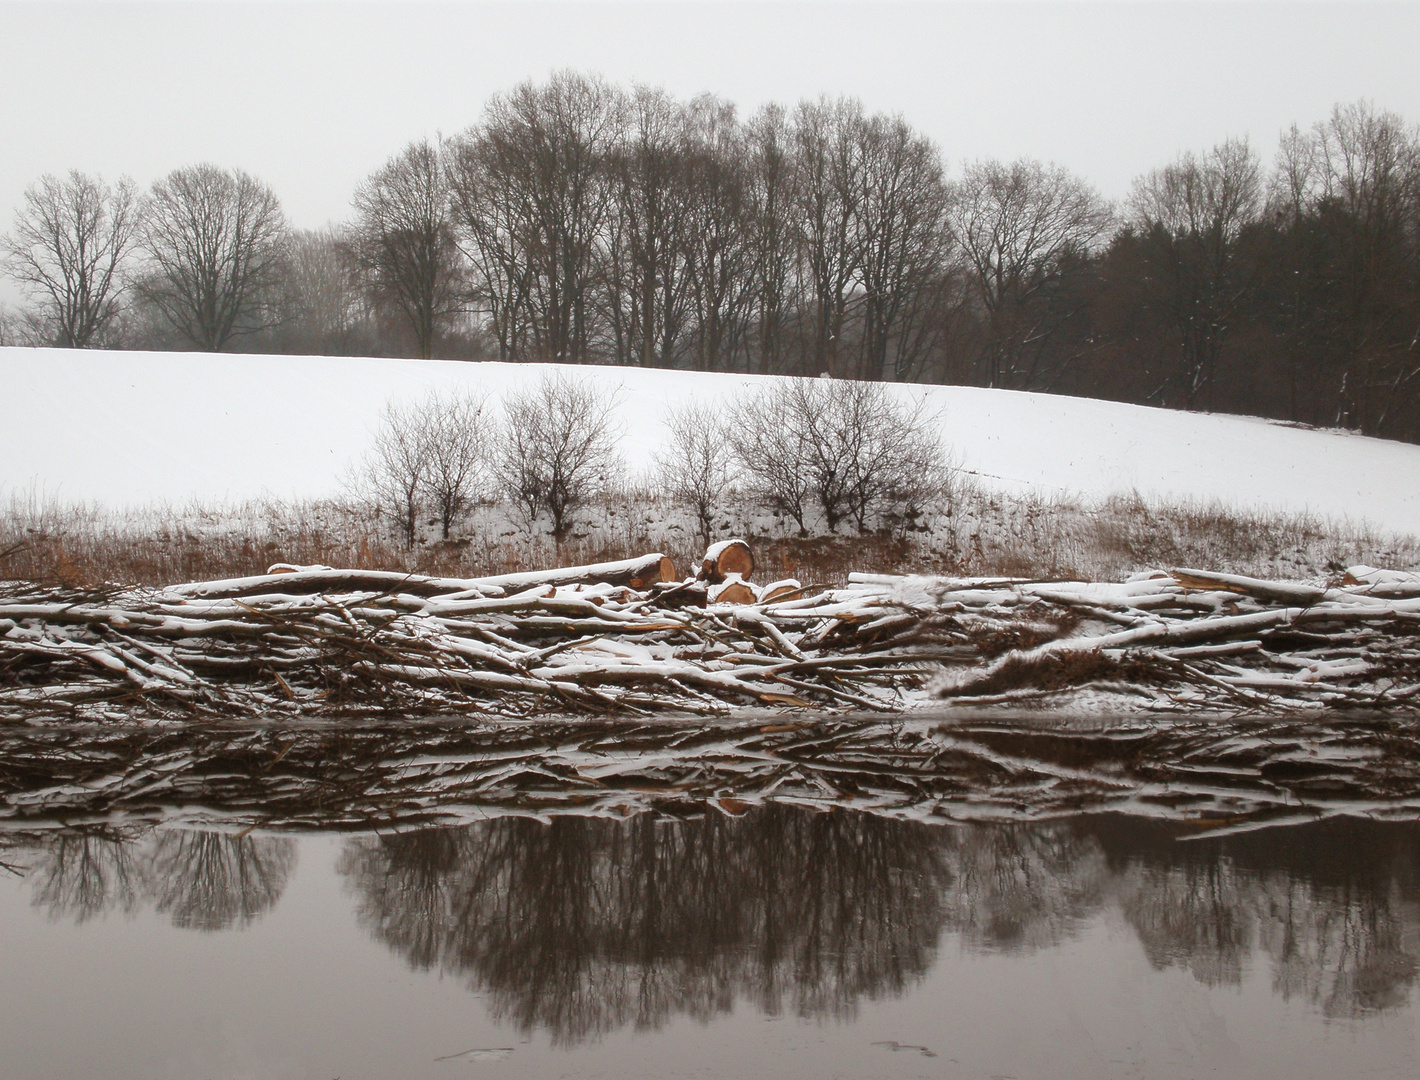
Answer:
(581, 222)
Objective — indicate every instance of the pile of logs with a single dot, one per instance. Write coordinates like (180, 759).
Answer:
(613, 637)
(1190, 638)
(628, 637)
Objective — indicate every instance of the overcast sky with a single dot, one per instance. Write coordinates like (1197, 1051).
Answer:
(312, 96)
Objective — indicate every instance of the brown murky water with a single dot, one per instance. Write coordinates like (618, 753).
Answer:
(778, 940)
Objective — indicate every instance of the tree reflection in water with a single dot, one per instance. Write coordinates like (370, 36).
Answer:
(1334, 907)
(590, 924)
(585, 925)
(201, 880)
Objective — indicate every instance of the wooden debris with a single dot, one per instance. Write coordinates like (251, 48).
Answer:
(321, 641)
(1191, 639)
(617, 638)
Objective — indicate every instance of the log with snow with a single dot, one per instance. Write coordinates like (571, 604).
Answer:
(618, 638)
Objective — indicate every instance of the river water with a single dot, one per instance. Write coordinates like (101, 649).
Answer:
(766, 940)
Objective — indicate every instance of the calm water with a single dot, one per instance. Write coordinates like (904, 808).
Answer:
(781, 942)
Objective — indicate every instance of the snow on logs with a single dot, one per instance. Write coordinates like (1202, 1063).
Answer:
(726, 558)
(628, 637)
(316, 640)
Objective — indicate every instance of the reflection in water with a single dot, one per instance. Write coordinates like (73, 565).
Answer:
(201, 880)
(589, 924)
(1023, 886)
(585, 925)
(208, 881)
(1333, 907)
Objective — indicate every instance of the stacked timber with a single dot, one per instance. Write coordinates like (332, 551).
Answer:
(627, 637)
(1189, 638)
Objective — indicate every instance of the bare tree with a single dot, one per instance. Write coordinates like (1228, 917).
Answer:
(11, 333)
(216, 240)
(457, 432)
(697, 466)
(1015, 225)
(493, 228)
(558, 448)
(769, 203)
(1351, 186)
(769, 445)
(68, 247)
(719, 254)
(325, 311)
(396, 472)
(1191, 217)
(648, 279)
(828, 161)
(544, 150)
(403, 238)
(902, 246)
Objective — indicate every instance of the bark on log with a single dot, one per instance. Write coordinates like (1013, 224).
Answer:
(1277, 592)
(726, 558)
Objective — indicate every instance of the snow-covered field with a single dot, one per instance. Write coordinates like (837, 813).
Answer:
(137, 428)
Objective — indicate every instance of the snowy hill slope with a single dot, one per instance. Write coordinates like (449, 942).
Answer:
(141, 427)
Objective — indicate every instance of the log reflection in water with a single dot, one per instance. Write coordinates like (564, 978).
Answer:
(200, 880)
(589, 924)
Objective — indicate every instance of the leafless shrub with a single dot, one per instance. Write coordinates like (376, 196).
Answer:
(456, 466)
(558, 449)
(697, 466)
(850, 447)
(768, 443)
(395, 474)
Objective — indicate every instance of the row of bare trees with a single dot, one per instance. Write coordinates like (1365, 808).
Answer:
(204, 249)
(816, 451)
(578, 221)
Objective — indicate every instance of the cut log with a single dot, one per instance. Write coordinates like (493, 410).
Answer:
(732, 591)
(776, 591)
(1277, 592)
(307, 580)
(726, 558)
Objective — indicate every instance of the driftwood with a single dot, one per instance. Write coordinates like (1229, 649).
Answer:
(321, 641)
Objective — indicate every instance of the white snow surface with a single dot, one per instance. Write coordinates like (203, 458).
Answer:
(136, 428)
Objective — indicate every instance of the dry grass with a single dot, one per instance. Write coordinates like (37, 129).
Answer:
(981, 532)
